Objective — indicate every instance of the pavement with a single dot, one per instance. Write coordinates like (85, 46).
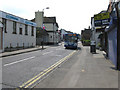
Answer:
(5, 54)
(83, 70)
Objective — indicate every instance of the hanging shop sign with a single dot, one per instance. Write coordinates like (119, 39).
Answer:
(102, 19)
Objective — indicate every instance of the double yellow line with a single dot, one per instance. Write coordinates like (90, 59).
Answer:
(32, 81)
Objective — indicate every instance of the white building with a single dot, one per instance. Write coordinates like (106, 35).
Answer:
(52, 28)
(95, 33)
(62, 34)
(50, 24)
(18, 32)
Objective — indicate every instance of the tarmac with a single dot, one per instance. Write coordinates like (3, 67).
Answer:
(85, 70)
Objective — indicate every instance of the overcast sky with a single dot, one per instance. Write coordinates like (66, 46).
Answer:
(72, 15)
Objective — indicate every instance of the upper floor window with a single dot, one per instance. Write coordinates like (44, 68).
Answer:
(14, 27)
(4, 24)
(20, 31)
(26, 29)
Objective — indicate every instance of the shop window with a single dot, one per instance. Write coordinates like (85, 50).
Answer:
(5, 24)
(14, 27)
(20, 31)
(26, 29)
(32, 31)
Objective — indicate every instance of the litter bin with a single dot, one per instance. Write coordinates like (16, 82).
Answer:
(93, 47)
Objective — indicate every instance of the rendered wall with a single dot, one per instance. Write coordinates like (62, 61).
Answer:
(112, 45)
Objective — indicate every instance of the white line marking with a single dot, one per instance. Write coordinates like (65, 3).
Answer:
(54, 47)
(47, 53)
(19, 61)
(59, 49)
(58, 55)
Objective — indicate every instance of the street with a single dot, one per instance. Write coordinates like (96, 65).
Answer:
(59, 44)
(20, 68)
(57, 67)
(83, 70)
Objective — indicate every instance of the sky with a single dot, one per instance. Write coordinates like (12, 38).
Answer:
(71, 15)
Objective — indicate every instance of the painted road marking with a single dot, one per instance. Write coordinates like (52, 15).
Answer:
(60, 49)
(32, 81)
(19, 61)
(47, 53)
(57, 55)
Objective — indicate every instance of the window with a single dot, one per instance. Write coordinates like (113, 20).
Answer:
(26, 29)
(5, 24)
(20, 31)
(14, 27)
(32, 31)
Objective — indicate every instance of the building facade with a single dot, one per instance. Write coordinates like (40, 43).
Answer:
(51, 27)
(62, 32)
(85, 36)
(111, 31)
(18, 32)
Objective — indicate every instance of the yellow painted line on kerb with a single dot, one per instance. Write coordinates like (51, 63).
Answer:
(40, 75)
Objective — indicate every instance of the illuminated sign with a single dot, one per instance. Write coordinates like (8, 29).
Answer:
(102, 19)
(102, 16)
(74, 34)
(17, 19)
(69, 34)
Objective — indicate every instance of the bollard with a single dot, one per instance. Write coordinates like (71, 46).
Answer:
(42, 44)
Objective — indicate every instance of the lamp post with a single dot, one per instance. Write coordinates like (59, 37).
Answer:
(45, 8)
(42, 27)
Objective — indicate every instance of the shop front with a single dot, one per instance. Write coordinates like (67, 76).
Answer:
(112, 38)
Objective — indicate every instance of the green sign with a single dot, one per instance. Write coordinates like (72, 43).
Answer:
(102, 16)
(102, 19)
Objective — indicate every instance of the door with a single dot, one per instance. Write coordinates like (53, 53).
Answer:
(1, 41)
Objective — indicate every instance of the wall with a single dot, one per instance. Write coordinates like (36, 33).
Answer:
(15, 39)
(112, 44)
(39, 18)
(0, 39)
(96, 39)
(1, 36)
(51, 29)
(62, 33)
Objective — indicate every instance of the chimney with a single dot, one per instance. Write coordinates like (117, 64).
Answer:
(39, 18)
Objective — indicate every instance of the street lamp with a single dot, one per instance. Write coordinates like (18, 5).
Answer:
(45, 8)
(42, 26)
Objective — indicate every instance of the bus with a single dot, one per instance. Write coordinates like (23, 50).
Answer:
(71, 40)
